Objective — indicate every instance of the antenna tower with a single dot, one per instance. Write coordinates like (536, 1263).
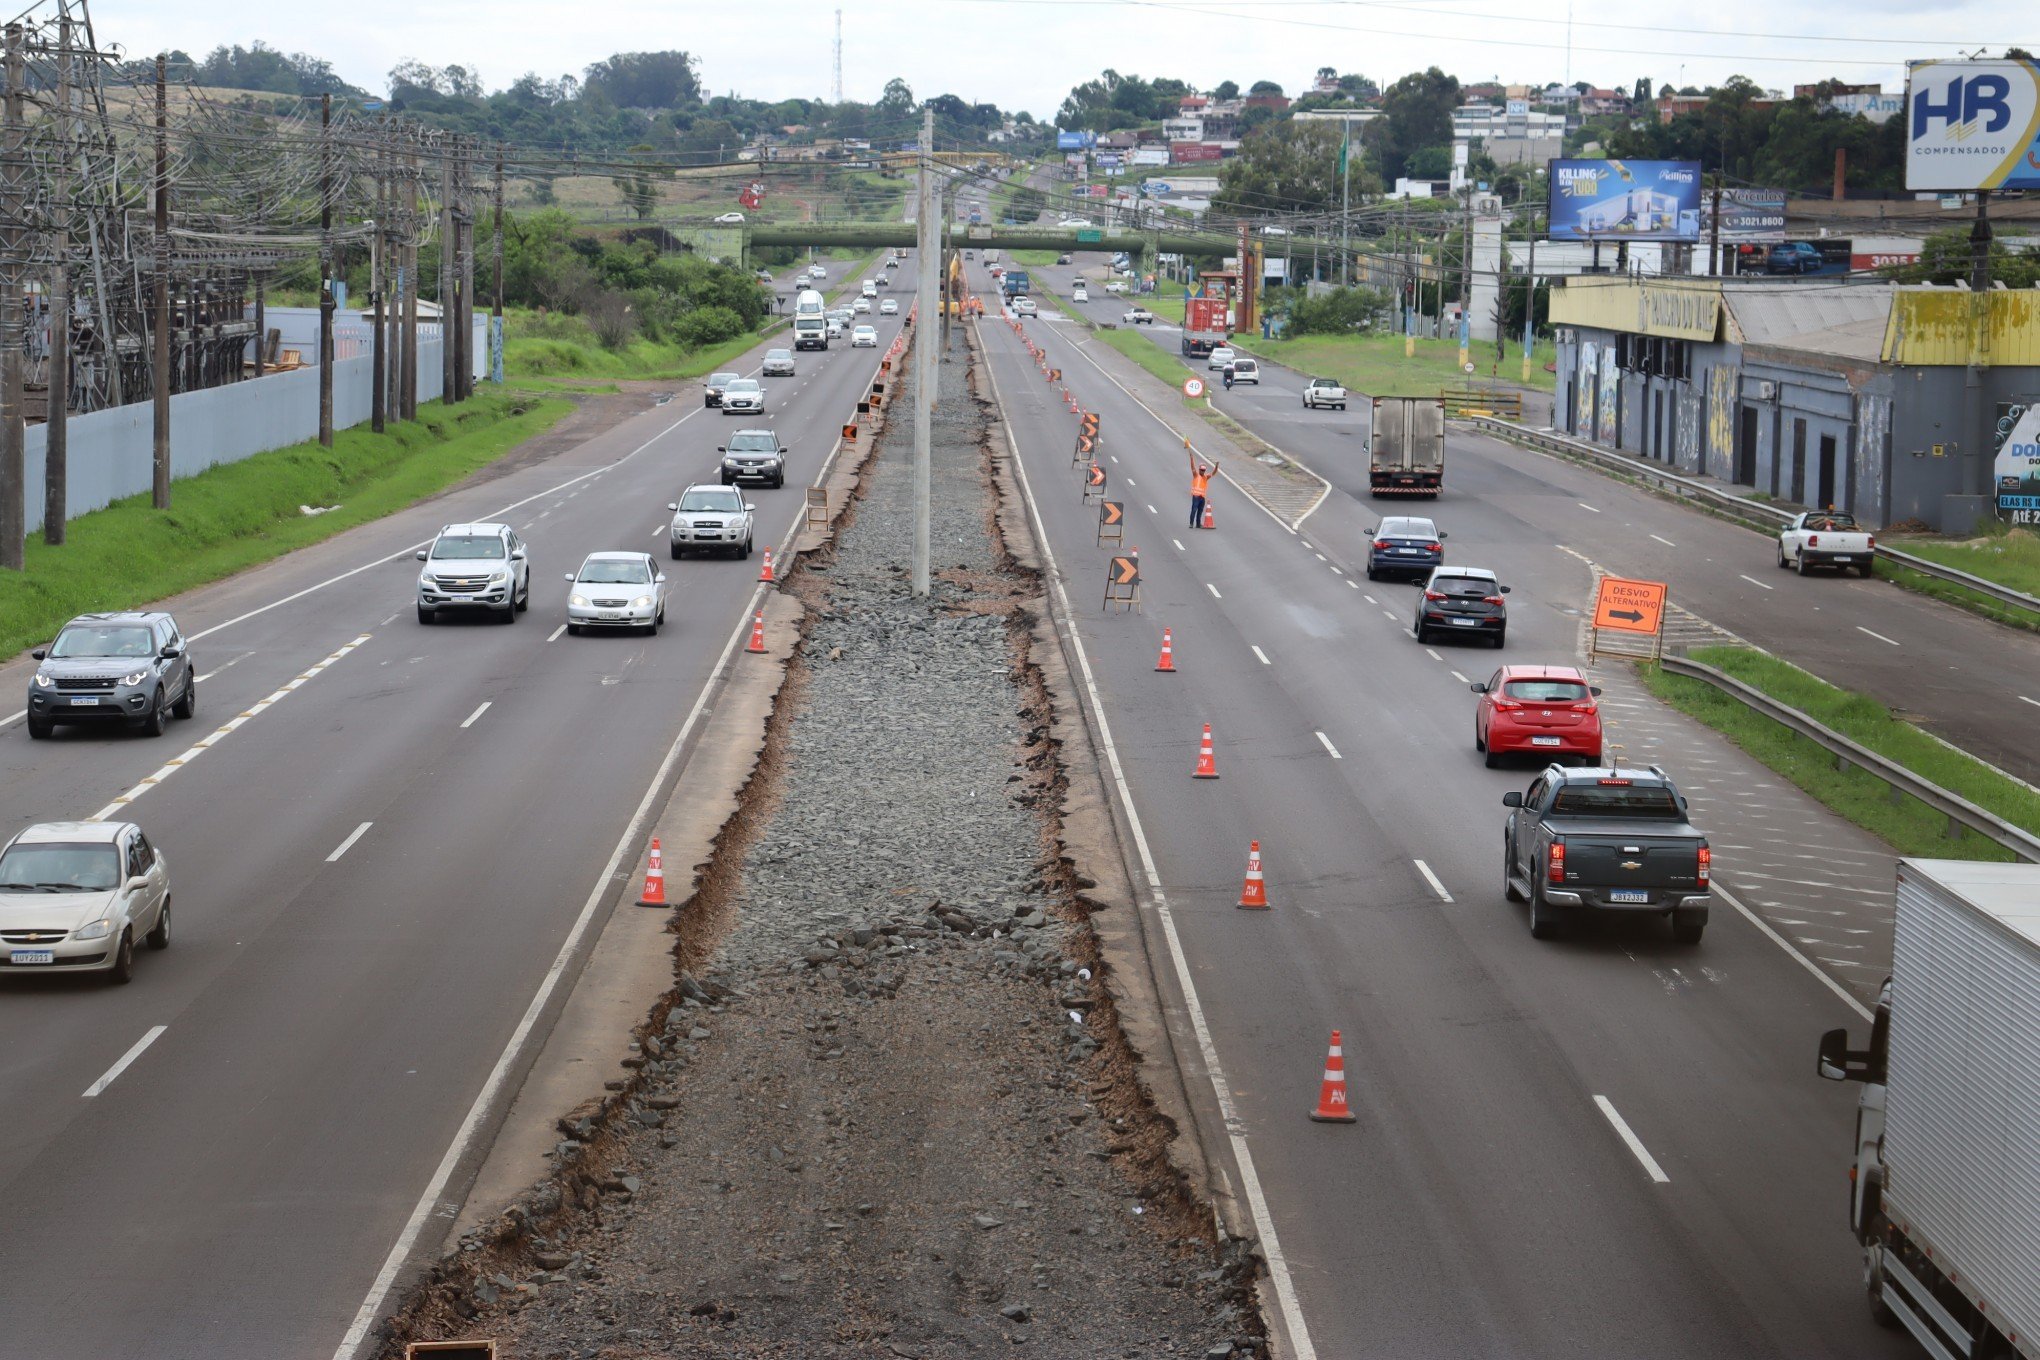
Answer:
(839, 55)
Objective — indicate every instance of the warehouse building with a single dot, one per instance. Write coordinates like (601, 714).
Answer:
(1879, 399)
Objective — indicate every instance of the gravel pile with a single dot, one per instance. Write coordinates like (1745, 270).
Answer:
(890, 1117)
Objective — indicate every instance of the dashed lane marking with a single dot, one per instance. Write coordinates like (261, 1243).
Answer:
(141, 1044)
(348, 844)
(1432, 879)
(1333, 750)
(1666, 541)
(1263, 655)
(1180, 548)
(1460, 678)
(1628, 1135)
(1214, 591)
(1754, 581)
(1432, 653)
(1584, 506)
(1879, 636)
(555, 633)
(469, 721)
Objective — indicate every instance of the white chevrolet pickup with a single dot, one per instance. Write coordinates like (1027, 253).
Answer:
(1825, 538)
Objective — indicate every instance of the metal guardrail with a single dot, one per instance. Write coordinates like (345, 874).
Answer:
(1755, 514)
(1959, 811)
(1466, 403)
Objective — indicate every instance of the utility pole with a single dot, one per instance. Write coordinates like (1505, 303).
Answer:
(467, 269)
(1714, 235)
(1466, 282)
(1346, 205)
(1530, 304)
(924, 353)
(408, 402)
(326, 270)
(448, 312)
(1979, 245)
(160, 362)
(378, 284)
(496, 310)
(13, 324)
(57, 421)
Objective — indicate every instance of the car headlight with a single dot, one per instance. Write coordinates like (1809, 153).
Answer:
(135, 677)
(578, 601)
(94, 930)
(43, 681)
(641, 602)
(500, 575)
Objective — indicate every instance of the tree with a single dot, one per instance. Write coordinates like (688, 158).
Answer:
(1227, 89)
(1327, 75)
(1265, 87)
(640, 184)
(1286, 167)
(1429, 162)
(1946, 257)
(1642, 95)
(646, 80)
(1416, 113)
(897, 101)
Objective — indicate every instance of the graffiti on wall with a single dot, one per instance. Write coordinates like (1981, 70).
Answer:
(1722, 380)
(1686, 444)
(1583, 391)
(1873, 432)
(1611, 379)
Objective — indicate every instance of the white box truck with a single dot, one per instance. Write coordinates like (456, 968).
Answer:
(1406, 447)
(810, 321)
(1945, 1189)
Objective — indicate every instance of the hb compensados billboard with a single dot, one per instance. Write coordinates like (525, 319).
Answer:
(1972, 125)
(1625, 200)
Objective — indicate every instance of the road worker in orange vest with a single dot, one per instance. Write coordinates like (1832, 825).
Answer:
(1200, 485)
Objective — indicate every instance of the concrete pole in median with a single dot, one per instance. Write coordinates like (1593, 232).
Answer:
(926, 329)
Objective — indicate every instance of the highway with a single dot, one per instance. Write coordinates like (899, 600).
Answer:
(1608, 1145)
(1972, 682)
(385, 841)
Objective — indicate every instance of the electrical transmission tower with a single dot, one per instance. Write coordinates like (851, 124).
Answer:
(839, 55)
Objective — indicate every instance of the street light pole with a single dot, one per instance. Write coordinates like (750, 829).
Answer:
(926, 331)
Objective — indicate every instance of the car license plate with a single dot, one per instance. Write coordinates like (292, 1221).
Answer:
(1465, 623)
(610, 614)
(1844, 558)
(1628, 895)
(89, 701)
(1407, 552)
(1544, 741)
(33, 956)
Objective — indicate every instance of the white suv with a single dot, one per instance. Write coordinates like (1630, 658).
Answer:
(710, 517)
(474, 568)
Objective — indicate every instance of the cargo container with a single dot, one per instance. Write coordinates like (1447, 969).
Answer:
(1406, 447)
(1204, 326)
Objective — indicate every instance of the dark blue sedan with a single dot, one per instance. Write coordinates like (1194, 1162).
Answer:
(1405, 545)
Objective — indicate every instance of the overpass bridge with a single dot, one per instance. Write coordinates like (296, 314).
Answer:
(901, 235)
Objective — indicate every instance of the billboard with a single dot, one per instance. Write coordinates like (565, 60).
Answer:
(1180, 152)
(1074, 141)
(2015, 442)
(1747, 213)
(1972, 125)
(1625, 200)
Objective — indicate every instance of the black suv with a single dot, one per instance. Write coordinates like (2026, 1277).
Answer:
(131, 668)
(1463, 601)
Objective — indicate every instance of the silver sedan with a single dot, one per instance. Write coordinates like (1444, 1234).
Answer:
(616, 590)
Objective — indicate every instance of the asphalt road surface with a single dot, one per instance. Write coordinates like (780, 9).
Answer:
(1608, 1145)
(1972, 682)
(373, 876)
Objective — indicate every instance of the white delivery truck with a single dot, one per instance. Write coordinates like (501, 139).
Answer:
(810, 321)
(1945, 1189)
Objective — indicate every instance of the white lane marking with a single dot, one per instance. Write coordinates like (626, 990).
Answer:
(1263, 655)
(1370, 599)
(1290, 1307)
(390, 620)
(555, 633)
(1432, 879)
(235, 661)
(1113, 456)
(1657, 1173)
(1754, 581)
(140, 1044)
(1432, 654)
(13, 717)
(1180, 548)
(1306, 543)
(348, 844)
(206, 743)
(1321, 557)
(1879, 636)
(660, 530)
(1131, 482)
(1335, 570)
(1460, 678)
(1214, 591)
(1666, 541)
(469, 721)
(1584, 506)
(1354, 584)
(2024, 700)
(1761, 924)
(1153, 511)
(1333, 750)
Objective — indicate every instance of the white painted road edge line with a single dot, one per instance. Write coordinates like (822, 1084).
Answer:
(1879, 636)
(493, 1087)
(1861, 1010)
(469, 721)
(1666, 541)
(2024, 700)
(140, 1044)
(1250, 1180)
(1657, 1173)
(1754, 581)
(1263, 655)
(1331, 749)
(1584, 506)
(348, 844)
(1432, 879)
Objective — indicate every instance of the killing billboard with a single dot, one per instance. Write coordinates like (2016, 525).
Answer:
(1625, 200)
(1972, 125)
(1747, 213)
(1074, 141)
(2016, 443)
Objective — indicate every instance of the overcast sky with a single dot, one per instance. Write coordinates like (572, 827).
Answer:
(1028, 53)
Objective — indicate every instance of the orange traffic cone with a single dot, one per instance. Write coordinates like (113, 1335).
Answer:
(1207, 764)
(1168, 661)
(757, 632)
(1210, 520)
(1254, 893)
(654, 894)
(765, 572)
(1331, 1101)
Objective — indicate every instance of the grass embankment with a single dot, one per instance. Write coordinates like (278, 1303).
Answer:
(1910, 827)
(2008, 556)
(236, 515)
(1374, 364)
(554, 357)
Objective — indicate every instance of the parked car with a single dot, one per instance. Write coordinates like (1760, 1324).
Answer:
(1404, 545)
(132, 668)
(710, 518)
(778, 363)
(890, 307)
(1826, 538)
(1245, 370)
(864, 337)
(711, 392)
(1794, 257)
(1546, 711)
(742, 397)
(1139, 316)
(474, 568)
(1220, 356)
(79, 896)
(754, 456)
(616, 590)
(1463, 601)
(1611, 840)
(1321, 392)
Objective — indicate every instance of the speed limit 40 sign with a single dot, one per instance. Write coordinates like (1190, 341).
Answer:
(1193, 388)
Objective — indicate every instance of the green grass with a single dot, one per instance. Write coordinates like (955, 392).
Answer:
(2010, 557)
(1136, 346)
(1910, 827)
(1374, 364)
(573, 361)
(236, 515)
(1034, 259)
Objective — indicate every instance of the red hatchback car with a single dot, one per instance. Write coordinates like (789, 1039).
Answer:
(1541, 710)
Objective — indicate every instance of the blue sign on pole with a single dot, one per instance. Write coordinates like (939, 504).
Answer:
(1625, 200)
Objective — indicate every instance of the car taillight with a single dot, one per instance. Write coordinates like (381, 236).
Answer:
(1506, 705)
(1381, 543)
(1433, 595)
(1490, 599)
(1813, 540)
(1873, 540)
(1554, 867)
(1706, 864)
(1434, 547)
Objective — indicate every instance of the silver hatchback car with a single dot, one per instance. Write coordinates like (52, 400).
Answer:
(778, 363)
(616, 590)
(80, 897)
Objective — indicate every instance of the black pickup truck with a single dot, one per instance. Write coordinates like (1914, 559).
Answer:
(1605, 840)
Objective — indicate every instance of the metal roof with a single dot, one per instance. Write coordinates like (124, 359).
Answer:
(2010, 893)
(1846, 320)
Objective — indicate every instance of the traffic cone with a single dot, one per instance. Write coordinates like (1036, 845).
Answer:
(1331, 1101)
(757, 632)
(1207, 764)
(1254, 893)
(1210, 520)
(654, 894)
(765, 572)
(1168, 661)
